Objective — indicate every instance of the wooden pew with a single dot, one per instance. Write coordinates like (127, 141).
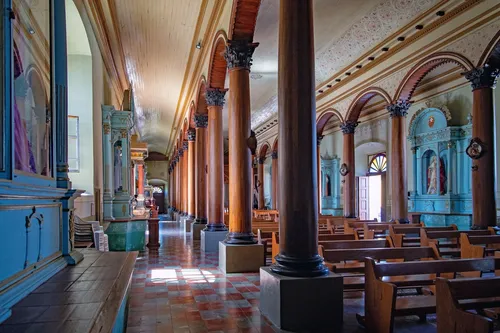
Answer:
(381, 301)
(409, 234)
(455, 297)
(354, 244)
(265, 214)
(448, 241)
(478, 246)
(355, 280)
(373, 230)
(350, 225)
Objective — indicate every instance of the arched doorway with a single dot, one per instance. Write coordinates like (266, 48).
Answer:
(372, 189)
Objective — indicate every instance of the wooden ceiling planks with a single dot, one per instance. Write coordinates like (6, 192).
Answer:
(244, 19)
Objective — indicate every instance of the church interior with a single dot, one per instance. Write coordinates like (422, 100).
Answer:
(250, 166)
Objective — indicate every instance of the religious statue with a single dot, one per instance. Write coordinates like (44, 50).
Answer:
(328, 187)
(432, 177)
(117, 163)
(256, 194)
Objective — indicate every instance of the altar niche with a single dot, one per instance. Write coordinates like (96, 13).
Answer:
(330, 186)
(441, 169)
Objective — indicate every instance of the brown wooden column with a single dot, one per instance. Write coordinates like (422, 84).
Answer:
(170, 185)
(201, 122)
(185, 178)
(180, 189)
(215, 102)
(274, 171)
(140, 178)
(348, 128)
(297, 142)
(319, 138)
(260, 175)
(176, 188)
(239, 58)
(191, 208)
(482, 146)
(399, 192)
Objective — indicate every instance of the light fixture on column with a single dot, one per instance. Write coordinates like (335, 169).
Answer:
(198, 45)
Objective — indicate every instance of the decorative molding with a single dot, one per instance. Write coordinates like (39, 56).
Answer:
(482, 77)
(215, 97)
(201, 120)
(348, 126)
(191, 134)
(124, 133)
(106, 128)
(398, 109)
(239, 54)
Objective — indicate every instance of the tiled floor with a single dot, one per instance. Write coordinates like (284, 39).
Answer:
(181, 290)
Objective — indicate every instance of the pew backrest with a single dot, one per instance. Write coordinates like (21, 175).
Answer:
(427, 236)
(354, 244)
(407, 254)
(475, 246)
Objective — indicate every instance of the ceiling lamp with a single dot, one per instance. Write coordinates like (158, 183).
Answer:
(198, 45)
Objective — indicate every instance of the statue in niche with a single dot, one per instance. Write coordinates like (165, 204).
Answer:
(117, 164)
(432, 177)
(328, 187)
(256, 194)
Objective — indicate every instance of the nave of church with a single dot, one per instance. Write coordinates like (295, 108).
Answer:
(250, 166)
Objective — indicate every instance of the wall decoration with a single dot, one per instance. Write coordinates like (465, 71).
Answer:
(431, 121)
(475, 149)
(344, 170)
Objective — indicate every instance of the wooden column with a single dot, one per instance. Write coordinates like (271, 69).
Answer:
(170, 184)
(348, 128)
(319, 138)
(185, 178)
(399, 192)
(175, 170)
(215, 102)
(180, 166)
(191, 208)
(140, 179)
(482, 146)
(274, 171)
(239, 58)
(260, 175)
(201, 122)
(298, 191)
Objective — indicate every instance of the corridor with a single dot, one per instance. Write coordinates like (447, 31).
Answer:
(182, 290)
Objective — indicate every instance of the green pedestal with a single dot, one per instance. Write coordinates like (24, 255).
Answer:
(127, 236)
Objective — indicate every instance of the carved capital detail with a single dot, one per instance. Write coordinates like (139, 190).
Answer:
(185, 145)
(124, 133)
(215, 97)
(181, 153)
(201, 120)
(274, 155)
(398, 109)
(349, 126)
(482, 77)
(239, 54)
(262, 160)
(106, 128)
(318, 139)
(191, 134)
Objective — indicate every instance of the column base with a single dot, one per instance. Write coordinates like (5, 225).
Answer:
(210, 240)
(282, 300)
(401, 221)
(241, 258)
(187, 224)
(196, 229)
(73, 258)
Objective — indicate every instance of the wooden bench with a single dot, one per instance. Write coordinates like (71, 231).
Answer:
(409, 234)
(353, 280)
(448, 241)
(472, 246)
(455, 297)
(374, 230)
(382, 303)
(350, 225)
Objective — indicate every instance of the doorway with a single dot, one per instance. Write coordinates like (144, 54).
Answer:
(371, 190)
(159, 196)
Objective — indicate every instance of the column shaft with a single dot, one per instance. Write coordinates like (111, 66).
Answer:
(298, 192)
(274, 176)
(140, 179)
(261, 183)
(180, 189)
(191, 210)
(318, 171)
(350, 178)
(185, 178)
(201, 121)
(215, 101)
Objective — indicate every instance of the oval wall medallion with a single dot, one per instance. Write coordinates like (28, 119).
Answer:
(431, 121)
(344, 170)
(475, 149)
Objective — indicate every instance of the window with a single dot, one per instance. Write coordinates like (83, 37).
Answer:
(32, 111)
(378, 164)
(73, 144)
(157, 189)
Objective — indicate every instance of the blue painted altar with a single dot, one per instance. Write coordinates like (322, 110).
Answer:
(441, 169)
(330, 181)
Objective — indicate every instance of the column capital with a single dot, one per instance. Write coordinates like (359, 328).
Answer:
(318, 139)
(348, 126)
(201, 120)
(185, 145)
(191, 134)
(239, 54)
(180, 153)
(482, 77)
(262, 160)
(274, 155)
(398, 109)
(215, 97)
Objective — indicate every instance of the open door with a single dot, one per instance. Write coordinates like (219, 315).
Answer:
(363, 188)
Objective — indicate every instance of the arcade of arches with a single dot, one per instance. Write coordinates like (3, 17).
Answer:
(234, 165)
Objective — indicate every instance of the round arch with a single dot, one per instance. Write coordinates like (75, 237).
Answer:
(264, 149)
(275, 144)
(325, 117)
(422, 68)
(190, 119)
(362, 99)
(201, 102)
(243, 19)
(185, 127)
(491, 54)
(218, 66)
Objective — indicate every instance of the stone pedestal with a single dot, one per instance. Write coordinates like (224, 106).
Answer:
(196, 229)
(302, 304)
(187, 225)
(210, 240)
(241, 258)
